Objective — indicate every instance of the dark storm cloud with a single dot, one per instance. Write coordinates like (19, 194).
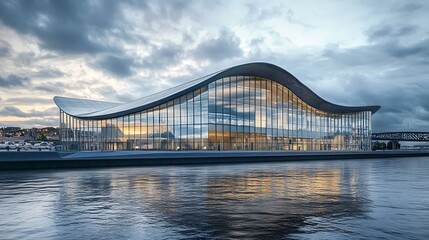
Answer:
(52, 87)
(387, 32)
(395, 50)
(5, 49)
(24, 59)
(107, 91)
(16, 112)
(160, 57)
(420, 49)
(110, 94)
(77, 27)
(12, 111)
(408, 8)
(65, 26)
(99, 28)
(48, 73)
(12, 81)
(399, 105)
(26, 101)
(225, 46)
(398, 41)
(119, 66)
(391, 71)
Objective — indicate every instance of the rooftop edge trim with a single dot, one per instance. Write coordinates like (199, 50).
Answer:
(97, 110)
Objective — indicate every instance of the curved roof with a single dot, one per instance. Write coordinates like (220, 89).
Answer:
(90, 109)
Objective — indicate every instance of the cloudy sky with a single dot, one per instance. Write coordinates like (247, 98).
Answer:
(349, 52)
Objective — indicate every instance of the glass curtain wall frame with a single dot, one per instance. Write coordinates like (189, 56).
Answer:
(234, 113)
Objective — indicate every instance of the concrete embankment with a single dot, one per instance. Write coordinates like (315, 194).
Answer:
(45, 160)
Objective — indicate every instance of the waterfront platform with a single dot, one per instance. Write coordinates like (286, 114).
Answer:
(85, 159)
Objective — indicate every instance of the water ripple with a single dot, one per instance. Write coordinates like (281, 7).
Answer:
(358, 199)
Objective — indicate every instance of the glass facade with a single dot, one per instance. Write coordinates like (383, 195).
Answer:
(232, 113)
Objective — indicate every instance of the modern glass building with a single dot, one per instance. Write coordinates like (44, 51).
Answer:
(256, 106)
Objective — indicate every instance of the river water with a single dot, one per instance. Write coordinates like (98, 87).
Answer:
(347, 199)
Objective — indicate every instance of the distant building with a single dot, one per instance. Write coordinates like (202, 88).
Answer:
(256, 106)
(23, 134)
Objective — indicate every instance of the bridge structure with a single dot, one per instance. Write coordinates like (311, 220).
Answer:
(401, 136)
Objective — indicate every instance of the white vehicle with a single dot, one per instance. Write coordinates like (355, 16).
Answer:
(7, 145)
(42, 145)
(26, 146)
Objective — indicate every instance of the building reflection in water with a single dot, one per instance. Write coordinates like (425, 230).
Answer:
(227, 201)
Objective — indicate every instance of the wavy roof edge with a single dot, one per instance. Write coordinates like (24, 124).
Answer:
(96, 110)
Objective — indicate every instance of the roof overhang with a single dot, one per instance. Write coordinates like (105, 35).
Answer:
(95, 110)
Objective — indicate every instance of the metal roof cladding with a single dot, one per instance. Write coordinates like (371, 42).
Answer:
(96, 110)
